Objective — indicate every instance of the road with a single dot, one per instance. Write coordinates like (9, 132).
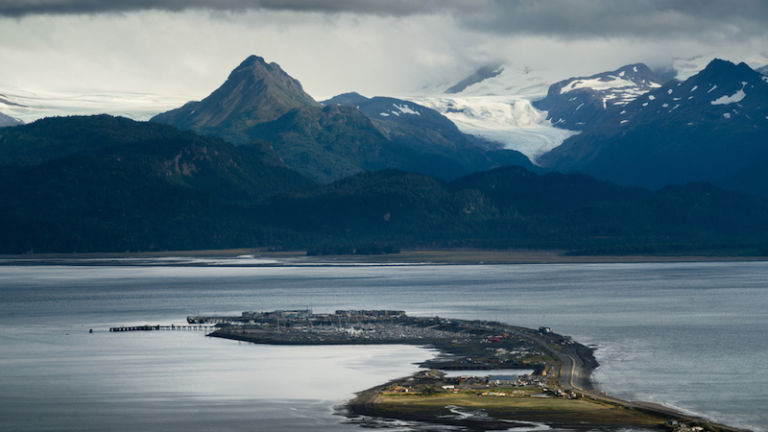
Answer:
(573, 375)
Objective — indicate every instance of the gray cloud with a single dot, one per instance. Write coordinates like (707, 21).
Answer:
(607, 18)
(18, 8)
(581, 18)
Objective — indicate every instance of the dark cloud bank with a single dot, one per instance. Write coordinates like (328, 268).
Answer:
(648, 18)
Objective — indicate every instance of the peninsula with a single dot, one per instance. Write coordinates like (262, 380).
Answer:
(554, 387)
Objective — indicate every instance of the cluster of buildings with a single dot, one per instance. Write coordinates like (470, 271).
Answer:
(431, 381)
(299, 316)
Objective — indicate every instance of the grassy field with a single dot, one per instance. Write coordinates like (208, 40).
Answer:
(518, 407)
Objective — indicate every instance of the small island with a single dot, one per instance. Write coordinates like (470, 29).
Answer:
(554, 387)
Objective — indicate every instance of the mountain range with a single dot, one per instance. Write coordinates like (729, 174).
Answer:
(711, 127)
(262, 164)
(576, 103)
(259, 102)
(101, 183)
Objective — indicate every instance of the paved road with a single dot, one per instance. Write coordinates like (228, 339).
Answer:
(573, 376)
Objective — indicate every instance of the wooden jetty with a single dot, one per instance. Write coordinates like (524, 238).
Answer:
(158, 327)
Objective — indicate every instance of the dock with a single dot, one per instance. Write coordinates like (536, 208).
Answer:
(159, 327)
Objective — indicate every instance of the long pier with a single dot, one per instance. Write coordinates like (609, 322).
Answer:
(159, 327)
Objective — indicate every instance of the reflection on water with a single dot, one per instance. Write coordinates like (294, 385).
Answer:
(184, 381)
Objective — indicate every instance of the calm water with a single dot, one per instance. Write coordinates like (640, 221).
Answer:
(690, 335)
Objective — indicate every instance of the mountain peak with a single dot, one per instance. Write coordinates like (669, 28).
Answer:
(726, 75)
(257, 67)
(254, 92)
(347, 99)
(720, 64)
(635, 67)
(252, 59)
(721, 67)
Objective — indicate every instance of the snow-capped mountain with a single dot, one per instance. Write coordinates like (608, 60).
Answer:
(500, 107)
(711, 127)
(576, 103)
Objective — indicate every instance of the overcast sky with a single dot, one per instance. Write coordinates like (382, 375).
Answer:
(185, 49)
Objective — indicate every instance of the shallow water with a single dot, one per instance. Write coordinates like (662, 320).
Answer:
(691, 335)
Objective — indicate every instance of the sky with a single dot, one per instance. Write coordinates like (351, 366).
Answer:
(164, 52)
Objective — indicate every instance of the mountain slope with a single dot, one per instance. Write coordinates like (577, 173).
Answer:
(576, 103)
(431, 142)
(328, 143)
(512, 207)
(103, 183)
(255, 92)
(711, 127)
(208, 165)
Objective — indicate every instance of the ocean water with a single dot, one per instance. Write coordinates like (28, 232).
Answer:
(692, 335)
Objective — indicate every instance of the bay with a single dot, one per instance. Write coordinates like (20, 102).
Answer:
(687, 334)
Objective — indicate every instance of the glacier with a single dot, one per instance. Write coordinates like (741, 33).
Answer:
(30, 105)
(508, 120)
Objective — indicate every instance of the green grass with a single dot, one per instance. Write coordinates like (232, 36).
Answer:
(552, 410)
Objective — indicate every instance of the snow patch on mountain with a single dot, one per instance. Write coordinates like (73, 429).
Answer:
(405, 109)
(725, 100)
(609, 82)
(509, 120)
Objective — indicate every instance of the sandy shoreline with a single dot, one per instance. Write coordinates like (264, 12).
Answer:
(410, 256)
